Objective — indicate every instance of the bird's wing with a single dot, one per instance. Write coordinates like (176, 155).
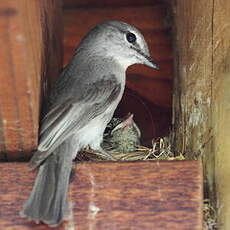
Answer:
(62, 120)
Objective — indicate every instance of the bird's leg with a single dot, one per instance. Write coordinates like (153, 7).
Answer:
(105, 153)
(96, 146)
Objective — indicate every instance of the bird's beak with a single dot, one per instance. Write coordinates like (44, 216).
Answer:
(146, 59)
(149, 62)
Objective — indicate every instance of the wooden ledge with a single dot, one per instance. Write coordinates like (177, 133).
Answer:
(115, 196)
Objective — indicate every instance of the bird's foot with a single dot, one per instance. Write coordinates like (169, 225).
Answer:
(106, 154)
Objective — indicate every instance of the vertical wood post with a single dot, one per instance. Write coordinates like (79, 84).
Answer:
(31, 52)
(193, 79)
(201, 92)
(221, 108)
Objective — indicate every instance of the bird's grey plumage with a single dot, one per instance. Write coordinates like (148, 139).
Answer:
(48, 200)
(82, 102)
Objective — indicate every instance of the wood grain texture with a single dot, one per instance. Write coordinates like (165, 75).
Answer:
(108, 3)
(193, 85)
(201, 95)
(152, 23)
(193, 82)
(27, 32)
(221, 108)
(115, 196)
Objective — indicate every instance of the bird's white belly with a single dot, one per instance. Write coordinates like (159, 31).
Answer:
(92, 133)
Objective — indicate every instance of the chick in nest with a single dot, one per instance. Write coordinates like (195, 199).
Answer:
(122, 135)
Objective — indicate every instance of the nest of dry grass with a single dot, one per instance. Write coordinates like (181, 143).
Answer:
(209, 216)
(160, 150)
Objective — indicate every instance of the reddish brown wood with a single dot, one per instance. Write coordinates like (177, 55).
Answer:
(115, 196)
(52, 49)
(30, 44)
(157, 91)
(106, 3)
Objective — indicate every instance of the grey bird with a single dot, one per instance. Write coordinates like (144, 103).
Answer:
(122, 135)
(82, 102)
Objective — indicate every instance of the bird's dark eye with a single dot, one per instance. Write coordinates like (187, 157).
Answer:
(131, 38)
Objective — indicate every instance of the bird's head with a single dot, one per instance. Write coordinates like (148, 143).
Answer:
(121, 42)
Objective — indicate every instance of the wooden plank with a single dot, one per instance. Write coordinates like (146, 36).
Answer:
(202, 93)
(120, 195)
(108, 3)
(192, 94)
(27, 31)
(151, 21)
(220, 108)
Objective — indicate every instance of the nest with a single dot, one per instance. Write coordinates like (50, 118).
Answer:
(209, 216)
(160, 150)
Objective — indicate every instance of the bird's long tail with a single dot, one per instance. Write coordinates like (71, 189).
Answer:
(48, 200)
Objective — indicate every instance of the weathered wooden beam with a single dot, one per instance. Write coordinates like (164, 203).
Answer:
(31, 53)
(108, 3)
(192, 96)
(151, 21)
(201, 95)
(121, 195)
(221, 108)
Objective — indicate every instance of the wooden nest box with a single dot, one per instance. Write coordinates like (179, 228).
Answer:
(189, 96)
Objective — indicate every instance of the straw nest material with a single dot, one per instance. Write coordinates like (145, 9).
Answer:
(160, 150)
(209, 216)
